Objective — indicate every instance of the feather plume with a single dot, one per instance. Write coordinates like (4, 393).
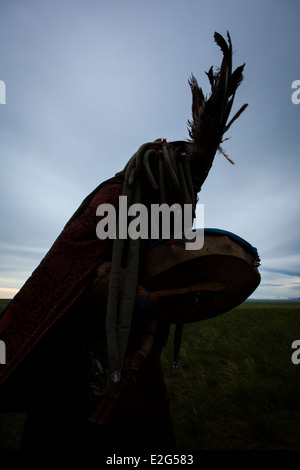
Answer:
(210, 115)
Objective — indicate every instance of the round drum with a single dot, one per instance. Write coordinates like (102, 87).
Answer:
(193, 285)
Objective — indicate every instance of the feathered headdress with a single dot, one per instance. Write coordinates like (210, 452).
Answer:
(210, 115)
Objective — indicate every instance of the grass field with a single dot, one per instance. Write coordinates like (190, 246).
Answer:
(236, 387)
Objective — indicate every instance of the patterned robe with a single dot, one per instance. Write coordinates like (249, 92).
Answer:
(57, 355)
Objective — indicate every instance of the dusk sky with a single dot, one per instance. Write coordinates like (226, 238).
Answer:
(88, 82)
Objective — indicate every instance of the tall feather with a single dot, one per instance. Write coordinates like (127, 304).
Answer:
(210, 115)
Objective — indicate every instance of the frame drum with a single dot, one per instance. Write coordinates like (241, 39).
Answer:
(193, 285)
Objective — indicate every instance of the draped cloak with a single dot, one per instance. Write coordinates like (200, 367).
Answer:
(58, 281)
(43, 330)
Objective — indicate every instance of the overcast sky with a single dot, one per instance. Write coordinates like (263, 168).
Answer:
(88, 82)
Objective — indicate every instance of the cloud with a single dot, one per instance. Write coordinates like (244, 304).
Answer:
(87, 85)
(277, 285)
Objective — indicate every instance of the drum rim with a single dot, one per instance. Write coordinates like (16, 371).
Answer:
(211, 231)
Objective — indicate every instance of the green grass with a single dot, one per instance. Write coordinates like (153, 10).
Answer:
(236, 387)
